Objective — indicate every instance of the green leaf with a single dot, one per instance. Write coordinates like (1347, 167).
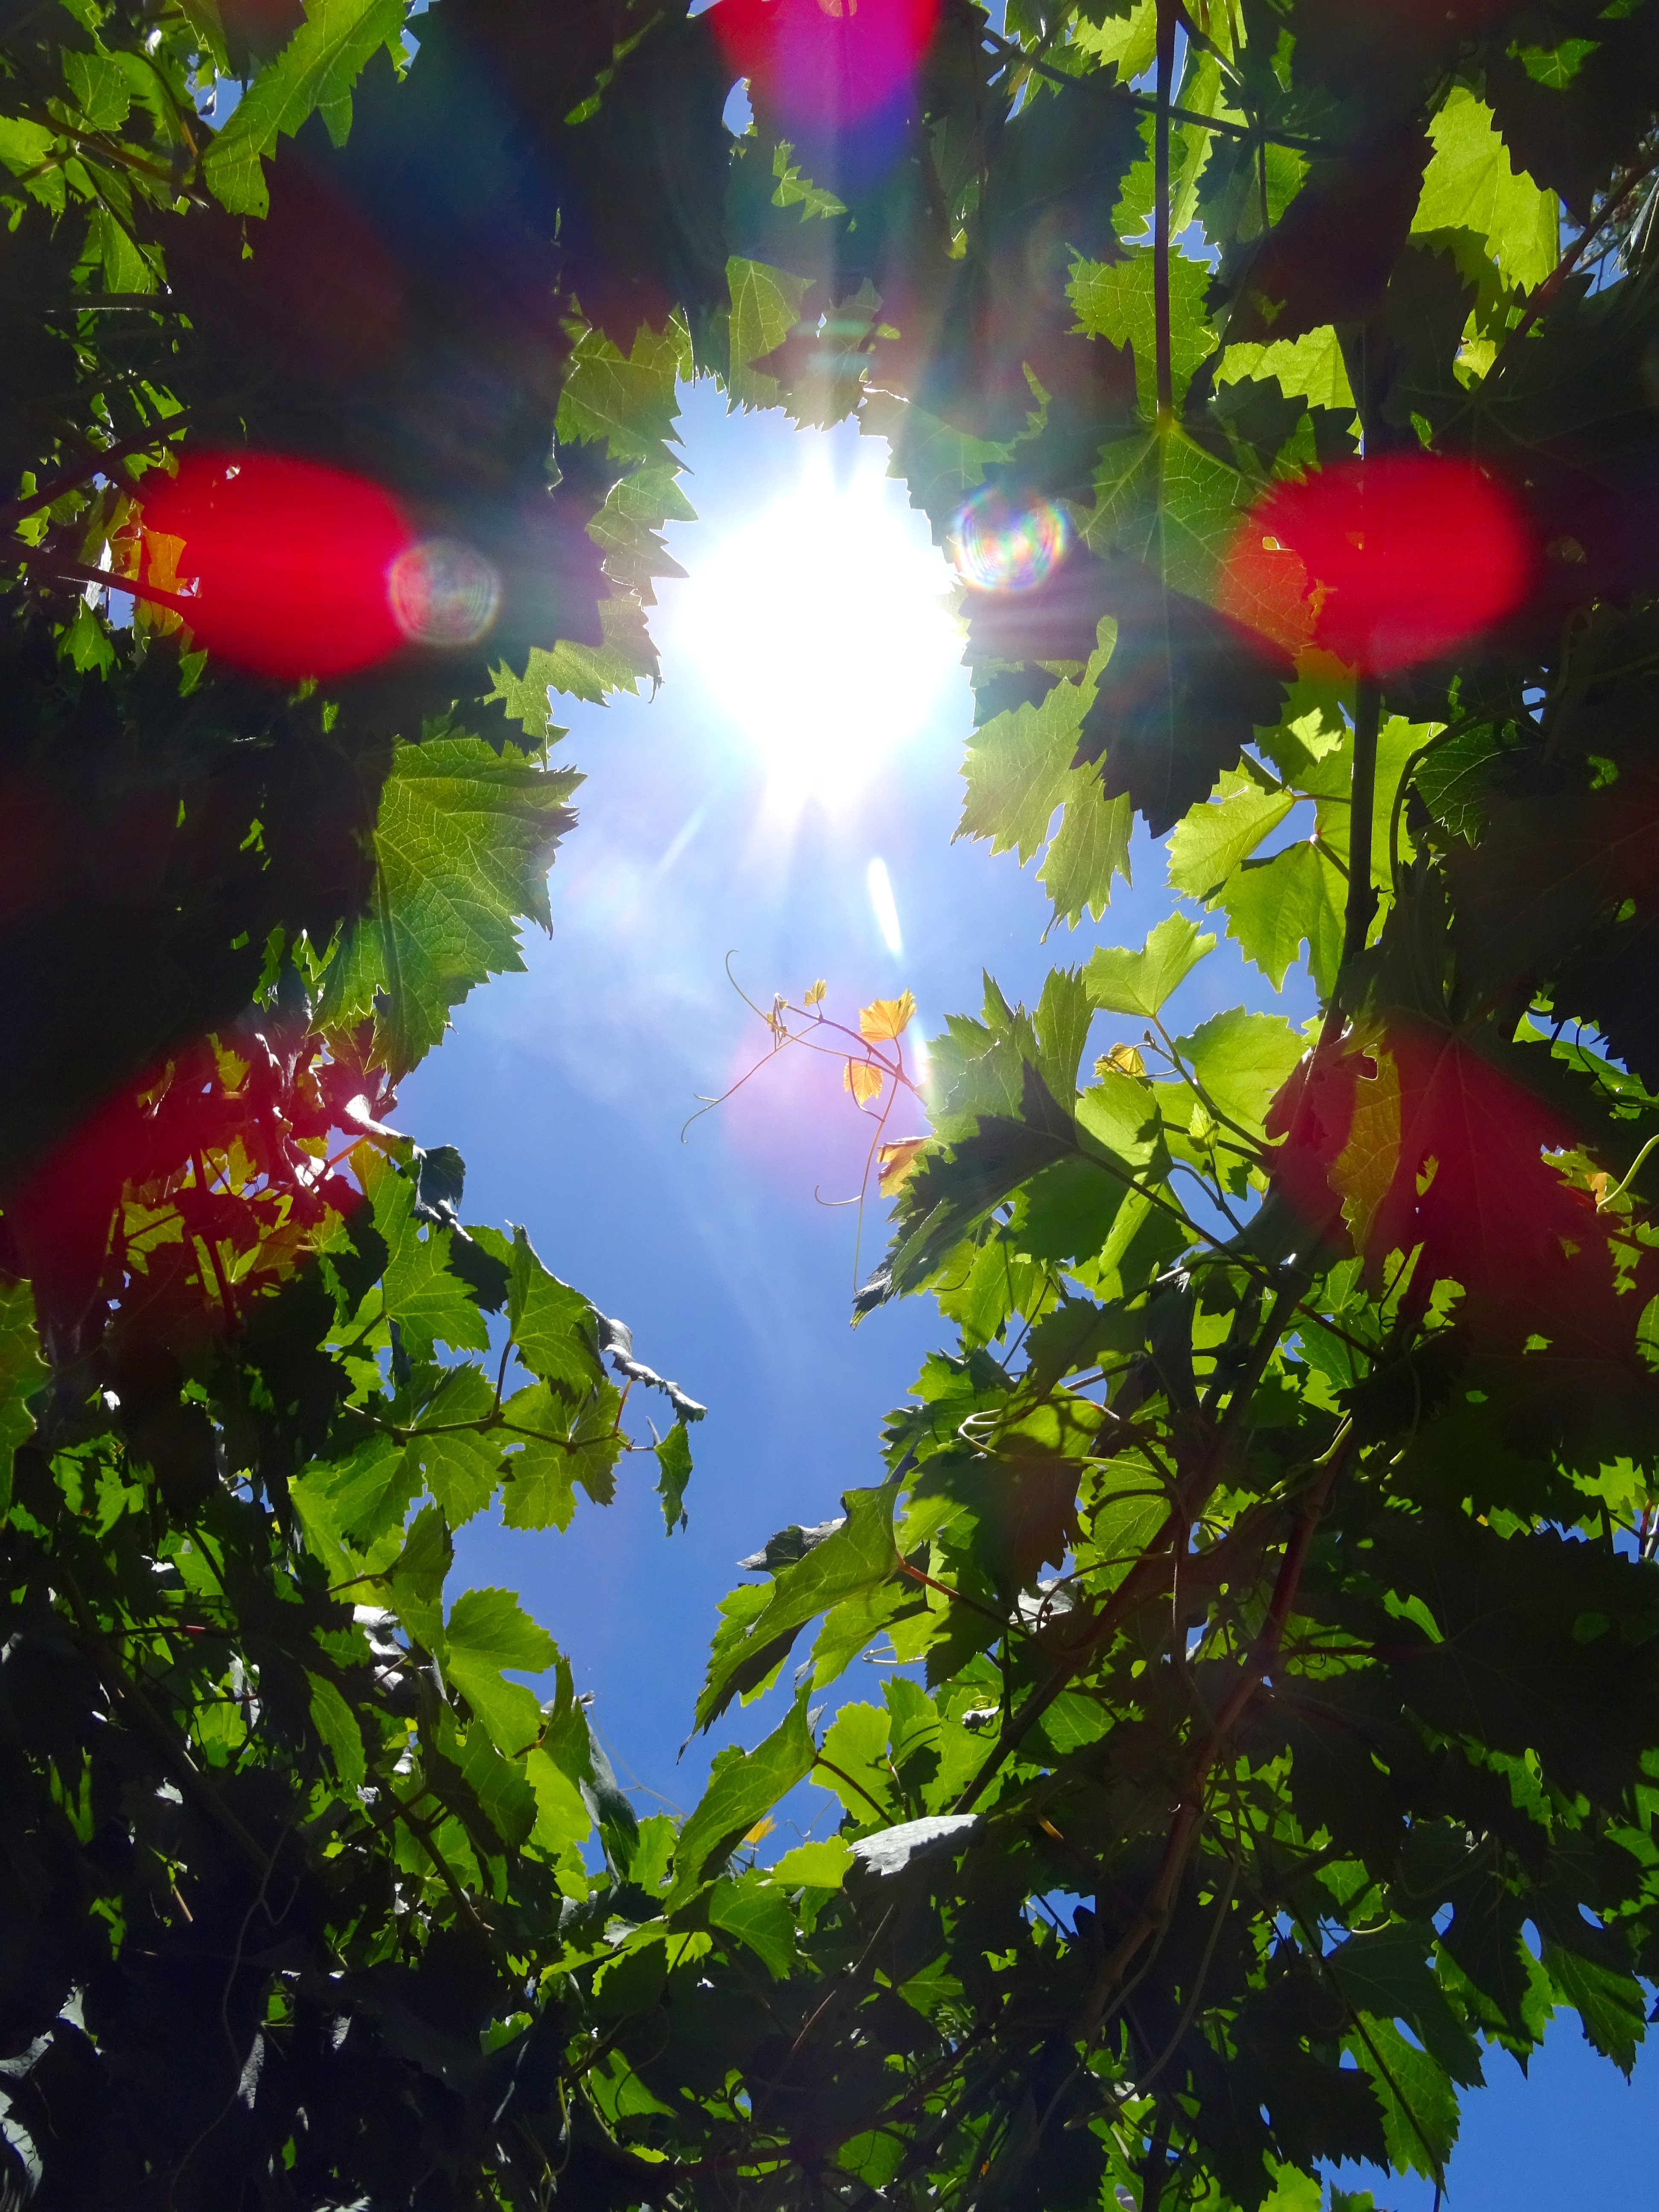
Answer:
(488, 1630)
(22, 1372)
(562, 1819)
(1470, 186)
(758, 1912)
(1386, 1973)
(414, 1581)
(538, 1486)
(337, 1725)
(740, 1793)
(1417, 2102)
(674, 1471)
(859, 1557)
(1090, 849)
(554, 1326)
(1125, 38)
(625, 530)
(1125, 982)
(814, 1866)
(1274, 907)
(795, 191)
(627, 401)
(364, 1497)
(1166, 501)
(420, 1290)
(314, 73)
(855, 1764)
(1302, 2192)
(500, 1785)
(624, 660)
(1018, 771)
(1114, 300)
(1120, 1114)
(99, 88)
(1240, 1060)
(1212, 841)
(461, 851)
(492, 1627)
(1556, 66)
(526, 699)
(1310, 367)
(765, 308)
(552, 1444)
(1610, 2005)
(461, 1471)
(941, 463)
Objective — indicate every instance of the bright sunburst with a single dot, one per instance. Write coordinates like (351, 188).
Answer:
(822, 629)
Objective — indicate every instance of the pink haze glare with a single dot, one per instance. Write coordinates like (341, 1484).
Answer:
(794, 1123)
(823, 63)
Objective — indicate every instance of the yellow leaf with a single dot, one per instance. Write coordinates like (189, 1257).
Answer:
(1123, 1057)
(895, 1161)
(814, 994)
(762, 1828)
(886, 1018)
(863, 1080)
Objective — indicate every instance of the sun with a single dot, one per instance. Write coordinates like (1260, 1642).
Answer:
(822, 630)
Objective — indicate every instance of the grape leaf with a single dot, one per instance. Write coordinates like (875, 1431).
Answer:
(1125, 983)
(313, 73)
(461, 849)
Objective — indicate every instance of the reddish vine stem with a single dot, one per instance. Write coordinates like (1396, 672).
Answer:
(1153, 1915)
(1619, 195)
(174, 1754)
(1143, 1579)
(97, 463)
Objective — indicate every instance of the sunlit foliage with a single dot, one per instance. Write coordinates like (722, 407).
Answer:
(1263, 1575)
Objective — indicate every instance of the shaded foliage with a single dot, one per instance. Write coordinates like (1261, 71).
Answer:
(1264, 1579)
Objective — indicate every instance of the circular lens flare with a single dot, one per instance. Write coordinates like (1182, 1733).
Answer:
(1381, 562)
(998, 546)
(280, 566)
(443, 593)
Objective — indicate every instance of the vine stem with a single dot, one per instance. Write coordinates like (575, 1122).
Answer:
(1098, 84)
(176, 1757)
(1154, 2168)
(1138, 1583)
(1166, 39)
(1153, 1916)
(1367, 722)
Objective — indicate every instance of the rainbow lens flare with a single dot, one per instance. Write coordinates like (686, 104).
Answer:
(999, 546)
(443, 592)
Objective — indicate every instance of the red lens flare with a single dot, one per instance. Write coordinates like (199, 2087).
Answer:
(1383, 562)
(286, 565)
(824, 62)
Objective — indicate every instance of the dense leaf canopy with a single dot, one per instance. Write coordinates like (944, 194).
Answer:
(1271, 1718)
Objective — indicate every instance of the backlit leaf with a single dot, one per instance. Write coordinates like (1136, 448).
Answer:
(461, 849)
(1127, 983)
(886, 1018)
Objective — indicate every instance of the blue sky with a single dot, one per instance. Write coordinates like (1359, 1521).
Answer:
(566, 1089)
